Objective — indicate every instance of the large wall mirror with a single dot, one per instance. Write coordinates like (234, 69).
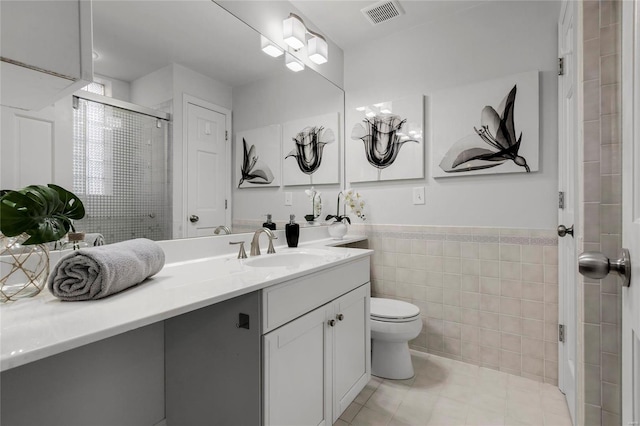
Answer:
(154, 151)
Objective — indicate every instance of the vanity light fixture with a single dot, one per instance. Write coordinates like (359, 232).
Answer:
(293, 63)
(294, 33)
(318, 49)
(270, 48)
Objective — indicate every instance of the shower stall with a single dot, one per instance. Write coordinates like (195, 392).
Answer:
(121, 168)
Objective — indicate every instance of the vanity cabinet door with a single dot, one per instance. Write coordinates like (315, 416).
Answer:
(297, 371)
(352, 348)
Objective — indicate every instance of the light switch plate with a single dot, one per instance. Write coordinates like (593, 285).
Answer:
(288, 199)
(418, 195)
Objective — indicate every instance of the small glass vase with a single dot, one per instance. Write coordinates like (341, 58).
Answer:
(23, 268)
(337, 230)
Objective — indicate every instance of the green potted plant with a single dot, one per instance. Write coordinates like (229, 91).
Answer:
(30, 218)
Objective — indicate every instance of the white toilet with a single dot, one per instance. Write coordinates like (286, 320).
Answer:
(393, 324)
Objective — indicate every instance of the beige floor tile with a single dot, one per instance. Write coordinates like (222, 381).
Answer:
(457, 392)
(387, 398)
(555, 406)
(480, 417)
(350, 413)
(446, 407)
(524, 412)
(549, 391)
(461, 379)
(426, 383)
(555, 420)
(445, 420)
(510, 421)
(488, 402)
(416, 408)
(368, 390)
(531, 398)
(340, 422)
(494, 389)
(522, 383)
(447, 392)
(368, 417)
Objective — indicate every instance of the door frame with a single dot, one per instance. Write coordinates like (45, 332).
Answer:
(190, 99)
(578, 176)
(630, 97)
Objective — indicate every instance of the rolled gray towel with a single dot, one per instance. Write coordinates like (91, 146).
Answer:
(94, 239)
(97, 272)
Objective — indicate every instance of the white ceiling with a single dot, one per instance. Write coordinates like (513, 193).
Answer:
(134, 38)
(343, 22)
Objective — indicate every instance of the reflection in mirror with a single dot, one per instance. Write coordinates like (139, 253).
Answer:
(153, 140)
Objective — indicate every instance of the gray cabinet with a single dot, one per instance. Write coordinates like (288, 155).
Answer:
(213, 361)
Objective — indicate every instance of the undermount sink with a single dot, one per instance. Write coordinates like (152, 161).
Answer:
(303, 258)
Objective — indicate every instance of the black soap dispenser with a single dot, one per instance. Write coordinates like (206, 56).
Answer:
(292, 231)
(269, 224)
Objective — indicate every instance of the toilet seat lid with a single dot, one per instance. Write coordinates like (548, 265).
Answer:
(392, 309)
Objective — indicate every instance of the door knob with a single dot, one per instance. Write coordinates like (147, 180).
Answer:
(339, 317)
(332, 323)
(594, 264)
(194, 218)
(563, 230)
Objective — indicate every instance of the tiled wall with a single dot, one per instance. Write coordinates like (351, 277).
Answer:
(488, 296)
(602, 209)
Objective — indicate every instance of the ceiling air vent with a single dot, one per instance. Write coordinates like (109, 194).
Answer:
(382, 11)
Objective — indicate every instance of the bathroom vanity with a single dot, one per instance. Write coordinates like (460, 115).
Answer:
(207, 341)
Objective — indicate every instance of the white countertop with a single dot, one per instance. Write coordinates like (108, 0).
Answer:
(35, 328)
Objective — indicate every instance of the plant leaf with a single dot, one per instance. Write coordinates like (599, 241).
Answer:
(42, 212)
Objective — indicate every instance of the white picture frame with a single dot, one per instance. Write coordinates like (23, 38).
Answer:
(323, 159)
(264, 159)
(400, 120)
(465, 139)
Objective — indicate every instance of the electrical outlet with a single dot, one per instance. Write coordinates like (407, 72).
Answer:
(418, 195)
(288, 199)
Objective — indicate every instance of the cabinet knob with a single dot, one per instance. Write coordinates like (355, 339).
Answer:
(339, 317)
(332, 323)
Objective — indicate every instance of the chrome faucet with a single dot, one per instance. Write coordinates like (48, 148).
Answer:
(225, 229)
(255, 242)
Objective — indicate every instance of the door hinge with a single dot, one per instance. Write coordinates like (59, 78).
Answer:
(560, 66)
(226, 135)
(561, 332)
(225, 204)
(561, 200)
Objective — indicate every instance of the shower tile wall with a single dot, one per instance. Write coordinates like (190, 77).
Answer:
(602, 209)
(488, 296)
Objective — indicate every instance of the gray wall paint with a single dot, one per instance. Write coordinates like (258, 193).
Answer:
(493, 40)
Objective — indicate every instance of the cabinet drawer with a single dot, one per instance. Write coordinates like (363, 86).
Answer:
(287, 301)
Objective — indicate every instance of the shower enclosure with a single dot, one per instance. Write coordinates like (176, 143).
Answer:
(121, 170)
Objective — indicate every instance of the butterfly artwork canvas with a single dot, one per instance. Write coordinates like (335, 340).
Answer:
(258, 157)
(487, 128)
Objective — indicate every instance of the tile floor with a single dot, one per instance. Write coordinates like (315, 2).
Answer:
(448, 392)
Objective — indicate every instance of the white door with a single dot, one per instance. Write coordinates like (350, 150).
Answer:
(297, 365)
(567, 217)
(207, 170)
(631, 210)
(352, 342)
